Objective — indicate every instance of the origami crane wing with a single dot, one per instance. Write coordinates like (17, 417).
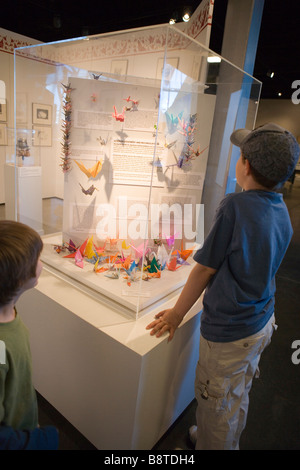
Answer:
(89, 251)
(124, 246)
(90, 172)
(141, 249)
(126, 263)
(78, 259)
(95, 170)
(82, 247)
(162, 255)
(184, 254)
(71, 246)
(170, 239)
(172, 265)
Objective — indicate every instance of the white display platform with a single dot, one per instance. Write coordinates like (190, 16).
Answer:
(119, 386)
(26, 183)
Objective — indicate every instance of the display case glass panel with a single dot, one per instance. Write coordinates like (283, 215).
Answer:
(134, 133)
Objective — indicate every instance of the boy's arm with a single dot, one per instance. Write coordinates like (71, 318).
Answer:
(170, 319)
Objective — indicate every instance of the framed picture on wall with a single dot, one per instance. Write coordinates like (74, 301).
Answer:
(42, 136)
(119, 67)
(173, 61)
(3, 134)
(41, 114)
(3, 112)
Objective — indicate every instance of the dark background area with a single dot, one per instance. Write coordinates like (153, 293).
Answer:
(53, 20)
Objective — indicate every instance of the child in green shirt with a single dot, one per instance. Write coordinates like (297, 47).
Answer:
(20, 268)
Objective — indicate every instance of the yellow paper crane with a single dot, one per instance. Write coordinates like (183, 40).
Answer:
(90, 172)
(89, 251)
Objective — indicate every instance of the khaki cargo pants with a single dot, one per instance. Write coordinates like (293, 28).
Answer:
(224, 377)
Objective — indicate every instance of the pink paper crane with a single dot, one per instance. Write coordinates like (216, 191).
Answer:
(119, 116)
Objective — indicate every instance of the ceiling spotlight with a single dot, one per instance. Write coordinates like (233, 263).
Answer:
(186, 17)
(270, 74)
(213, 59)
(279, 93)
(174, 17)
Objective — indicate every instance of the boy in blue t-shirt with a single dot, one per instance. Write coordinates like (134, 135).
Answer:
(236, 266)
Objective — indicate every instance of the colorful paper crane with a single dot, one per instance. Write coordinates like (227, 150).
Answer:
(119, 116)
(172, 266)
(90, 172)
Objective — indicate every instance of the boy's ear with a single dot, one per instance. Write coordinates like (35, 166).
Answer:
(247, 168)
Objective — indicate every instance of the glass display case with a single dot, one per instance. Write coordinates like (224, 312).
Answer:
(133, 133)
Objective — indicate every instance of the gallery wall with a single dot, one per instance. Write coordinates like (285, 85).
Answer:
(283, 112)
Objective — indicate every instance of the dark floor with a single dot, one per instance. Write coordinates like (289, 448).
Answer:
(274, 412)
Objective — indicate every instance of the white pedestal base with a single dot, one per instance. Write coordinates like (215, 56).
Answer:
(25, 183)
(120, 387)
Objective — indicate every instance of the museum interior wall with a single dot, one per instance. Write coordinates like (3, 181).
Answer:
(283, 112)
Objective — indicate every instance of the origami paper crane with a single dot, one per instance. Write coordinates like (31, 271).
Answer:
(172, 266)
(90, 172)
(118, 116)
(88, 191)
(172, 121)
(170, 239)
(131, 273)
(183, 254)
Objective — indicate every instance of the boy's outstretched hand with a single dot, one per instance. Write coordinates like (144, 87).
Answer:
(167, 320)
(170, 319)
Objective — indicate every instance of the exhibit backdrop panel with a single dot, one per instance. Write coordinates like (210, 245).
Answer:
(126, 119)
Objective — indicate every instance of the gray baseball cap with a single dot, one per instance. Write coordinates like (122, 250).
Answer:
(270, 149)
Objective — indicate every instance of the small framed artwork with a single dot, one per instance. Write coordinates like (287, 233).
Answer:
(173, 61)
(41, 114)
(3, 112)
(42, 136)
(3, 134)
(119, 67)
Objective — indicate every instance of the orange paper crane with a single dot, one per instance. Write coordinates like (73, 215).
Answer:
(172, 266)
(184, 254)
(90, 172)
